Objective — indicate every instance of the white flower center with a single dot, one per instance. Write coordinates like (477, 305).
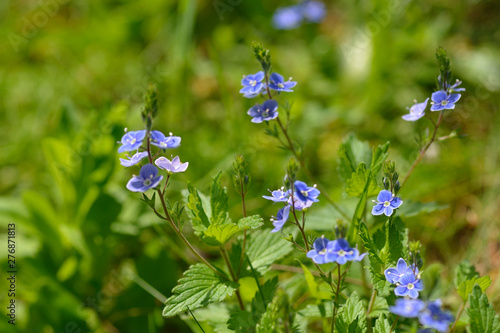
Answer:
(147, 182)
(387, 203)
(410, 286)
(265, 113)
(304, 193)
(341, 253)
(322, 251)
(281, 85)
(444, 102)
(132, 141)
(253, 83)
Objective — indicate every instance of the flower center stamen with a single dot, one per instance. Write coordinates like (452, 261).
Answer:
(410, 286)
(322, 251)
(444, 102)
(304, 193)
(253, 83)
(387, 203)
(341, 253)
(147, 182)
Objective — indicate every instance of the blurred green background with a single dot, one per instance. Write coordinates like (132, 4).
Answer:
(72, 77)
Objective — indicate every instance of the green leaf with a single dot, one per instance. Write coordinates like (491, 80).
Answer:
(351, 153)
(380, 307)
(218, 235)
(396, 238)
(218, 201)
(358, 213)
(379, 155)
(382, 325)
(483, 318)
(251, 222)
(465, 288)
(465, 271)
(198, 287)
(321, 310)
(198, 217)
(356, 184)
(352, 316)
(413, 208)
(265, 248)
(312, 285)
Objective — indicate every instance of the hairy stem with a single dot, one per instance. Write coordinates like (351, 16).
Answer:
(228, 263)
(424, 149)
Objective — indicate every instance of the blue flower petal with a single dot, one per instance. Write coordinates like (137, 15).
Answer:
(439, 96)
(384, 195)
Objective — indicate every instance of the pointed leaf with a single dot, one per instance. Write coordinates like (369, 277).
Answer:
(218, 201)
(199, 218)
(251, 222)
(218, 235)
(481, 313)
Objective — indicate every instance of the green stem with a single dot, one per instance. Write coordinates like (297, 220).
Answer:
(228, 263)
(335, 304)
(372, 302)
(244, 231)
(424, 149)
(452, 329)
(394, 325)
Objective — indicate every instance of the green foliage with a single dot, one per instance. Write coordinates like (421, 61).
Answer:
(351, 317)
(351, 153)
(380, 308)
(464, 271)
(264, 248)
(466, 277)
(413, 208)
(483, 318)
(251, 222)
(382, 325)
(218, 235)
(356, 184)
(218, 201)
(321, 310)
(198, 217)
(198, 287)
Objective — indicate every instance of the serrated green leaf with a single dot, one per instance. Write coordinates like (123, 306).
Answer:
(380, 307)
(356, 184)
(351, 153)
(265, 248)
(198, 287)
(373, 253)
(395, 238)
(312, 285)
(382, 325)
(464, 271)
(352, 316)
(465, 288)
(218, 235)
(482, 316)
(358, 213)
(251, 222)
(218, 201)
(322, 310)
(199, 218)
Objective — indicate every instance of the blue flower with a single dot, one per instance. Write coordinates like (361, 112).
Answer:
(164, 142)
(409, 285)
(314, 11)
(265, 112)
(281, 218)
(305, 193)
(278, 195)
(408, 308)
(454, 88)
(132, 141)
(173, 166)
(433, 316)
(136, 158)
(416, 111)
(386, 203)
(340, 252)
(394, 274)
(252, 84)
(318, 253)
(148, 178)
(441, 100)
(287, 18)
(298, 204)
(276, 82)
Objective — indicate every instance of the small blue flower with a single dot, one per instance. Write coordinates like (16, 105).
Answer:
(394, 274)
(441, 100)
(277, 82)
(314, 11)
(305, 193)
(278, 195)
(453, 88)
(136, 158)
(298, 204)
(386, 203)
(416, 111)
(409, 285)
(148, 178)
(408, 308)
(164, 142)
(265, 112)
(281, 218)
(132, 141)
(434, 317)
(318, 253)
(287, 18)
(340, 252)
(173, 166)
(252, 84)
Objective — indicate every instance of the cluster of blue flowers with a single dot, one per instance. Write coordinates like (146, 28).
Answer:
(443, 99)
(386, 203)
(303, 197)
(429, 314)
(291, 17)
(148, 176)
(326, 251)
(407, 279)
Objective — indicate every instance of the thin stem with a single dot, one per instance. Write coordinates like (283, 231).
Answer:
(394, 325)
(452, 329)
(372, 302)
(244, 231)
(424, 149)
(335, 305)
(228, 263)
